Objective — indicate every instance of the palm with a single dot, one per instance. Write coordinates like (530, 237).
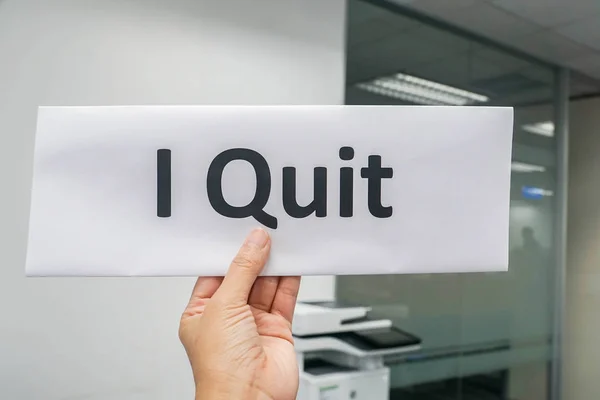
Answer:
(278, 370)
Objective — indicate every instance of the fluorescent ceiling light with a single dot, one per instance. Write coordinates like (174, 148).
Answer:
(524, 167)
(541, 128)
(421, 91)
(531, 192)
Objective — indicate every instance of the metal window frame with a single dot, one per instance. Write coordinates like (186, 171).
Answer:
(561, 132)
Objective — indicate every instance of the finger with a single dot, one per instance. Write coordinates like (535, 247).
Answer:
(263, 292)
(245, 268)
(206, 287)
(203, 290)
(286, 296)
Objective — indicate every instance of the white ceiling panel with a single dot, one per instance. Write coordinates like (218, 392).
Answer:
(558, 31)
(551, 46)
(550, 13)
(488, 20)
(585, 31)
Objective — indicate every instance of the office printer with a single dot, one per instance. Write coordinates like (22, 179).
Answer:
(341, 351)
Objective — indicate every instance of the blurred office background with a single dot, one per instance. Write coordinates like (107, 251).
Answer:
(528, 334)
(495, 335)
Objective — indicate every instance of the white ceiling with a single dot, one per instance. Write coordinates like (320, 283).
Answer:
(383, 41)
(566, 32)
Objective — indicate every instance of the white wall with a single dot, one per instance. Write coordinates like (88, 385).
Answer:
(581, 350)
(117, 338)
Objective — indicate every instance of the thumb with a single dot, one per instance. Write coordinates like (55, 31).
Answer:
(245, 268)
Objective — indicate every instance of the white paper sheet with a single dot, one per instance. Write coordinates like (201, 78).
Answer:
(442, 204)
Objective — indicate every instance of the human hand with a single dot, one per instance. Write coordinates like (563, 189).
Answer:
(237, 330)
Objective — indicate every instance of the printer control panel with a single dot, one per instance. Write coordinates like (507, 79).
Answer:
(379, 339)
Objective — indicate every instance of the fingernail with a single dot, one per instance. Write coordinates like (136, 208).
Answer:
(258, 237)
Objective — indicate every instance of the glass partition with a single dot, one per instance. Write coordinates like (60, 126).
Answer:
(485, 335)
